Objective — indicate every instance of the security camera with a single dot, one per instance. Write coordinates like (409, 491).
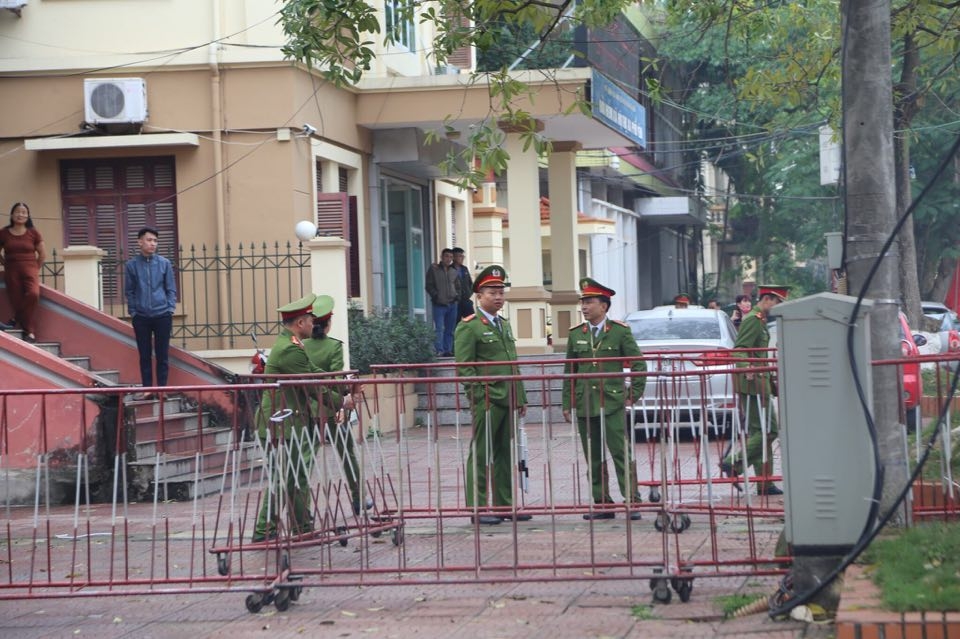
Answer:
(309, 129)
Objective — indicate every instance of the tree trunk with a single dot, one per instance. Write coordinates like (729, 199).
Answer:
(905, 108)
(871, 214)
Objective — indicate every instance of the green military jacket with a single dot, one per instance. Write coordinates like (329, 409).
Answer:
(288, 357)
(753, 333)
(616, 340)
(477, 340)
(327, 354)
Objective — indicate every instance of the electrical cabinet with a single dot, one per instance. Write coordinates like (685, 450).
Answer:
(826, 450)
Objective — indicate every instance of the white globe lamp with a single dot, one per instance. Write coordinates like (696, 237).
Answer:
(305, 230)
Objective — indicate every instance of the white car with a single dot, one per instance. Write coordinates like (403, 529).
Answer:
(690, 346)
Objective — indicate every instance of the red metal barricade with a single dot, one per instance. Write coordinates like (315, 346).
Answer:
(163, 496)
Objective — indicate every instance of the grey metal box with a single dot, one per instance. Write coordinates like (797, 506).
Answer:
(827, 455)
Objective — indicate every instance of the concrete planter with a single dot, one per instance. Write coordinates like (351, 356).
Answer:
(391, 404)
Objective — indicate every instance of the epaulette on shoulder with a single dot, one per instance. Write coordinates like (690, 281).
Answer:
(620, 323)
(576, 326)
(468, 318)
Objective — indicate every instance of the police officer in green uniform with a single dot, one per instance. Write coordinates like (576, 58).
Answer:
(600, 402)
(754, 391)
(486, 337)
(326, 353)
(288, 356)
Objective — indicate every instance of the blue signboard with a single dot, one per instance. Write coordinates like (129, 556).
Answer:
(614, 107)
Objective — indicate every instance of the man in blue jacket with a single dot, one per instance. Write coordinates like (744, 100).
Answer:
(151, 300)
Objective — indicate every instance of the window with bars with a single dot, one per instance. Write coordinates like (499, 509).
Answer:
(105, 203)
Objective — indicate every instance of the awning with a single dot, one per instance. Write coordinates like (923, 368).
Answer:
(111, 141)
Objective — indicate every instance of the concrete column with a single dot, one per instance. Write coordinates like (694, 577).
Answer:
(528, 299)
(329, 176)
(328, 276)
(81, 274)
(564, 256)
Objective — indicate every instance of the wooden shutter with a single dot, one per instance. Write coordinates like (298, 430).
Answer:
(353, 270)
(105, 203)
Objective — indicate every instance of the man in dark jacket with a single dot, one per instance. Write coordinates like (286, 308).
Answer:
(465, 284)
(441, 285)
(151, 300)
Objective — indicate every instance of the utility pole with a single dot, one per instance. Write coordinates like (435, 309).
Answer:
(870, 196)
(870, 203)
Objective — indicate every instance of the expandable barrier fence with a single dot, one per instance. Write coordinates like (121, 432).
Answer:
(267, 487)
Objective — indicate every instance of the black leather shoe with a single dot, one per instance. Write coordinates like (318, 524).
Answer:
(599, 514)
(726, 470)
(486, 520)
(519, 517)
(769, 490)
(367, 505)
(635, 515)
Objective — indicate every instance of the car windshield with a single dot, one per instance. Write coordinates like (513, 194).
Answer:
(664, 328)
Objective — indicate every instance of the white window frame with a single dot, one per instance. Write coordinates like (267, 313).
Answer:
(401, 35)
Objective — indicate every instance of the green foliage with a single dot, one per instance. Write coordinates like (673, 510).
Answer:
(337, 38)
(389, 336)
(729, 604)
(917, 570)
(642, 612)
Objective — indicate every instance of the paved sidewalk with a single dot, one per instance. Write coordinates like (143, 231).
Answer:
(555, 603)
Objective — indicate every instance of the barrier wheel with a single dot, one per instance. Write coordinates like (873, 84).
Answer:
(679, 524)
(662, 594)
(282, 599)
(653, 496)
(254, 603)
(342, 532)
(295, 593)
(662, 522)
(268, 598)
(376, 534)
(686, 587)
(397, 536)
(223, 564)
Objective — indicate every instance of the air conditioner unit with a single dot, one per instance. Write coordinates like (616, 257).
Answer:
(115, 100)
(14, 5)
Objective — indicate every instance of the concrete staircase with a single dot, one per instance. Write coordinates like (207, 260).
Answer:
(174, 447)
(179, 451)
(437, 404)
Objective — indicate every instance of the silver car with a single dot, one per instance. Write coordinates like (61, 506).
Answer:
(689, 347)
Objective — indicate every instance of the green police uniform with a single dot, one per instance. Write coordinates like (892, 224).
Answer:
(287, 357)
(477, 339)
(600, 402)
(754, 396)
(327, 353)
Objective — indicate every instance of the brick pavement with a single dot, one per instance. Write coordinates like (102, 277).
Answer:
(557, 576)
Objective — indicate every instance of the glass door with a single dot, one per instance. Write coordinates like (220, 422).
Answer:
(401, 233)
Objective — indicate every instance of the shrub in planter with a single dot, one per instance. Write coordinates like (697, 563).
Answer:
(388, 336)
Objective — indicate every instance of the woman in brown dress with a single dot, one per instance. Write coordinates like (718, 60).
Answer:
(23, 253)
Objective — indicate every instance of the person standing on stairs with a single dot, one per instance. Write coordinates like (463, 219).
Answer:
(22, 257)
(151, 292)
